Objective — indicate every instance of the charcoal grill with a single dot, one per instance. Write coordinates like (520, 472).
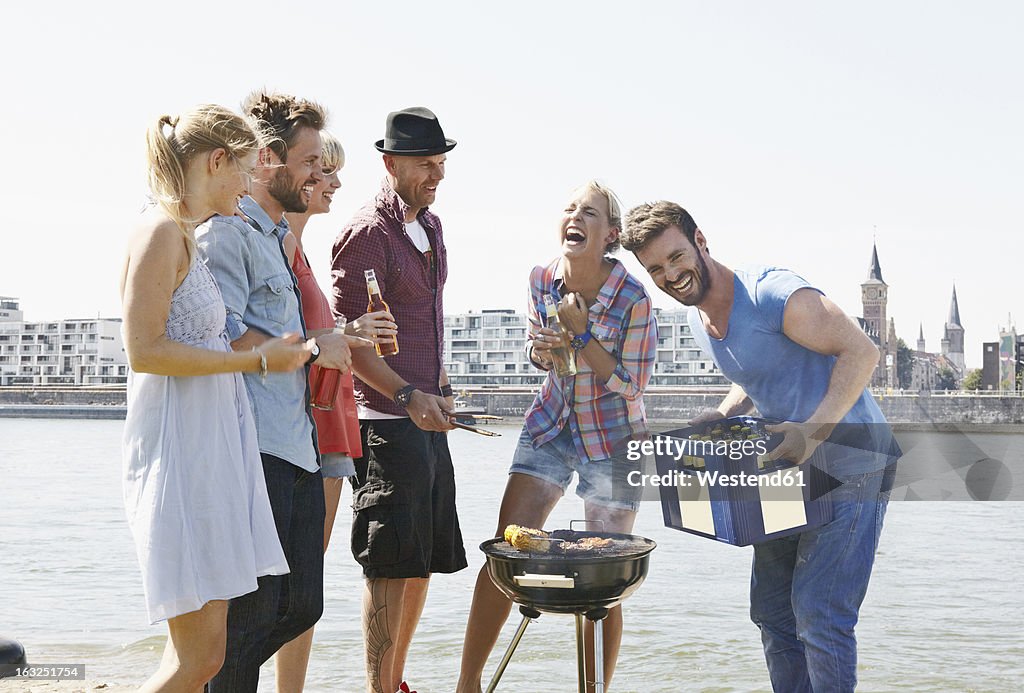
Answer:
(585, 584)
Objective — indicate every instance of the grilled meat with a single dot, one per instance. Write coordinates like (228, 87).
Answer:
(538, 541)
(585, 544)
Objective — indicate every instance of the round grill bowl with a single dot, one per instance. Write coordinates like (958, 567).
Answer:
(568, 584)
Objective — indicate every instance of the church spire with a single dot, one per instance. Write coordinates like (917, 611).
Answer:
(875, 272)
(954, 311)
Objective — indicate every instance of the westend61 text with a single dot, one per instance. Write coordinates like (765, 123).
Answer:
(793, 479)
(678, 448)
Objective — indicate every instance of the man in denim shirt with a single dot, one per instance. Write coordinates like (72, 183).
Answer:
(791, 353)
(246, 256)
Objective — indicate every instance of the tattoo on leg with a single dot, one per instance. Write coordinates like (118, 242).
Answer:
(377, 633)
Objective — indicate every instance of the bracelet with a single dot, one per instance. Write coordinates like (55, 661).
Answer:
(263, 364)
(446, 390)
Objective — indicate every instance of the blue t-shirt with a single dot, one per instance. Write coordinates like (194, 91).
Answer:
(785, 380)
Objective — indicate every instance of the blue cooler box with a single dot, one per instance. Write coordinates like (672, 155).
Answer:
(733, 497)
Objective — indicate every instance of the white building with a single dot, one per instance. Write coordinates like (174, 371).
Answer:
(680, 362)
(71, 351)
(488, 348)
(9, 309)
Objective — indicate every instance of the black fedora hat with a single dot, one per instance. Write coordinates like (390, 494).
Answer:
(414, 132)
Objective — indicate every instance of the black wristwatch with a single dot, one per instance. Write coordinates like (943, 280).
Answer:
(580, 340)
(315, 354)
(404, 396)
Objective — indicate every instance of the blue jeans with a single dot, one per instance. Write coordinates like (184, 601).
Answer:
(283, 606)
(806, 590)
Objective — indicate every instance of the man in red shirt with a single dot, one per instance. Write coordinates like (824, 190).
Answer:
(405, 525)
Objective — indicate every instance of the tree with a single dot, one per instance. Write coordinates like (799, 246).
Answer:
(904, 364)
(973, 380)
(945, 379)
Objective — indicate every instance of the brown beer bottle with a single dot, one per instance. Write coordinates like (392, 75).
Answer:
(324, 382)
(390, 346)
(563, 359)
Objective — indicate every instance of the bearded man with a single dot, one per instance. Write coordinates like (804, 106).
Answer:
(246, 256)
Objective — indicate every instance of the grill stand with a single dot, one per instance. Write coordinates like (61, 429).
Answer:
(528, 615)
(595, 615)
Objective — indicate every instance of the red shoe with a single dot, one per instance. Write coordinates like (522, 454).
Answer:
(404, 688)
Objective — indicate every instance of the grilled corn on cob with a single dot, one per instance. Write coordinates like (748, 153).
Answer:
(527, 539)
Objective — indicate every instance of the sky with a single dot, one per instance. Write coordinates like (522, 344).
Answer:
(795, 133)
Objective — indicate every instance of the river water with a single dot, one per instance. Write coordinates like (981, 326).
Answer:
(945, 610)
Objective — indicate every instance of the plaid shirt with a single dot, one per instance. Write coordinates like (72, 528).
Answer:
(376, 238)
(603, 417)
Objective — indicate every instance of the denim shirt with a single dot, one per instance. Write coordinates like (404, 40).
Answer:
(247, 258)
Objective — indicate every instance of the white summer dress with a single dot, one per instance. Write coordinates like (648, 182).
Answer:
(193, 482)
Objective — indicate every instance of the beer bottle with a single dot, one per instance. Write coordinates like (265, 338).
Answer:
(390, 346)
(324, 382)
(562, 357)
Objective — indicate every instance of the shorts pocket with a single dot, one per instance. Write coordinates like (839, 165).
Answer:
(382, 531)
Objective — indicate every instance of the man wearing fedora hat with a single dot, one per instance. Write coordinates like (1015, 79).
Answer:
(405, 525)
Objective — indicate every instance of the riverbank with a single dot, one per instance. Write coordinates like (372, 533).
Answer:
(63, 403)
(63, 411)
(666, 407)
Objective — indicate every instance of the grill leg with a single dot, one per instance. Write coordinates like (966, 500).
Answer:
(599, 656)
(581, 655)
(597, 616)
(528, 615)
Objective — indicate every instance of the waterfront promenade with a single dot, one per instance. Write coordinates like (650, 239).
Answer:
(666, 406)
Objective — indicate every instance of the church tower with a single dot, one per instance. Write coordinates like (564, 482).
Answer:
(953, 337)
(920, 338)
(874, 297)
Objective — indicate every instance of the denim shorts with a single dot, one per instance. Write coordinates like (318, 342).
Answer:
(602, 482)
(334, 465)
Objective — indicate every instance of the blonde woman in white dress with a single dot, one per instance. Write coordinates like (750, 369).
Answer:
(193, 483)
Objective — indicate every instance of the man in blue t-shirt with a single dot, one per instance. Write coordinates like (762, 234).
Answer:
(794, 355)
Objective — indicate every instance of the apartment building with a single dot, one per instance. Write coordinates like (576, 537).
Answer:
(488, 348)
(679, 361)
(71, 351)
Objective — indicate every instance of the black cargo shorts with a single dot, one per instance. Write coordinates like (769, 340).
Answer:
(404, 521)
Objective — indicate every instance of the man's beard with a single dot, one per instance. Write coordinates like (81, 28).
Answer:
(282, 188)
(703, 279)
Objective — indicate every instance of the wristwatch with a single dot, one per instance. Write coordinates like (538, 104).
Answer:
(580, 340)
(404, 396)
(315, 354)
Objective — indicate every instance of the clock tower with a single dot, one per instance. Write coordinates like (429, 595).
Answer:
(874, 296)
